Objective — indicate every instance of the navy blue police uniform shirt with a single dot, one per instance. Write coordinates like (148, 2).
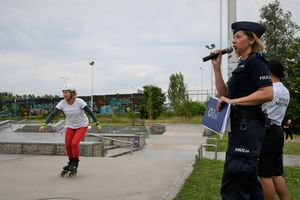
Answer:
(250, 75)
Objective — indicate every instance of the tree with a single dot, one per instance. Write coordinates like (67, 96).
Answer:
(292, 82)
(283, 45)
(152, 104)
(177, 93)
(6, 95)
(279, 36)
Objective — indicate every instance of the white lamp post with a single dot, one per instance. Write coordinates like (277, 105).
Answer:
(201, 91)
(221, 24)
(92, 90)
(210, 48)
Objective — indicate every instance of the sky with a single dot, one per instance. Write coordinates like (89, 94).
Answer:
(45, 43)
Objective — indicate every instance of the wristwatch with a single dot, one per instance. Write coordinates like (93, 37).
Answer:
(234, 103)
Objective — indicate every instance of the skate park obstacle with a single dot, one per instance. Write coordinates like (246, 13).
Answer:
(5, 124)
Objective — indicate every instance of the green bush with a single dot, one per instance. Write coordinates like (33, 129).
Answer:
(168, 114)
(197, 108)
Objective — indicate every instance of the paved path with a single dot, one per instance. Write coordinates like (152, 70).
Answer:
(154, 173)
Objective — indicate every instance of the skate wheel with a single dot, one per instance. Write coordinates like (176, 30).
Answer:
(73, 173)
(62, 174)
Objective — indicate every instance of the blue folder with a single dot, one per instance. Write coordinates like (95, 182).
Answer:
(214, 120)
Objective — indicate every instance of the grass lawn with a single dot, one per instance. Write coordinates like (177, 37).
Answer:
(289, 148)
(205, 181)
(122, 119)
(175, 119)
(292, 148)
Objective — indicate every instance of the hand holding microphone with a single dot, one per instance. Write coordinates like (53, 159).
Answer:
(213, 55)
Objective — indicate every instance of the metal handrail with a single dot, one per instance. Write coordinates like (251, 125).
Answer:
(214, 139)
(21, 122)
(215, 146)
(200, 152)
(112, 139)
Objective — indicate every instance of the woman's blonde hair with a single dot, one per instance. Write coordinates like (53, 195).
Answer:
(74, 92)
(258, 45)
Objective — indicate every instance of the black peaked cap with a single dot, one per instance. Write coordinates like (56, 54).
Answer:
(254, 27)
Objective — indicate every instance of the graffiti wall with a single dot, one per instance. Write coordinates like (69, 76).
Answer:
(115, 104)
(102, 104)
(28, 107)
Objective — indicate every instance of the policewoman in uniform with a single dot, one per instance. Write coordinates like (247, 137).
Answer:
(270, 166)
(246, 90)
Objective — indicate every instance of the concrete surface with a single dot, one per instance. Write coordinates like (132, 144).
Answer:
(154, 173)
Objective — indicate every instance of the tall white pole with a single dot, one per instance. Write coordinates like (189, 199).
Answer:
(201, 93)
(211, 47)
(232, 58)
(92, 90)
(221, 30)
(212, 81)
(221, 24)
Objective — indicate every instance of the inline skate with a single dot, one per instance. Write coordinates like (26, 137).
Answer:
(71, 168)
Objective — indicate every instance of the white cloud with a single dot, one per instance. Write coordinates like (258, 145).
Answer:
(132, 42)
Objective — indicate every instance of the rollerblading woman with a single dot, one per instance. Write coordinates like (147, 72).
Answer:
(76, 125)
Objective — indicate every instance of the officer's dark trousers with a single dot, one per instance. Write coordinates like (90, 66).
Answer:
(240, 180)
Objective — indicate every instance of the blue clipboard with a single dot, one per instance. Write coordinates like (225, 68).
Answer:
(218, 122)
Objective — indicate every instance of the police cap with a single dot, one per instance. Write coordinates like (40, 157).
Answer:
(276, 68)
(254, 27)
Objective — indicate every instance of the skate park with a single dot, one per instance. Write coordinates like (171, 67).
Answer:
(155, 170)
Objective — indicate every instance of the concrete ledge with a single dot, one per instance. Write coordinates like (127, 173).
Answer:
(50, 128)
(34, 128)
(157, 128)
(89, 149)
(4, 124)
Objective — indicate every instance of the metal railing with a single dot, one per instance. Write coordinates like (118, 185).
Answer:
(114, 140)
(200, 149)
(18, 123)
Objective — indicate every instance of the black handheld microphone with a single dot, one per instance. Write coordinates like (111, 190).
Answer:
(213, 55)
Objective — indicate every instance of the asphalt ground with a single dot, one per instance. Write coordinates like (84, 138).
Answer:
(154, 173)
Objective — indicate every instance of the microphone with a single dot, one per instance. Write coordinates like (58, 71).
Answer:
(213, 55)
